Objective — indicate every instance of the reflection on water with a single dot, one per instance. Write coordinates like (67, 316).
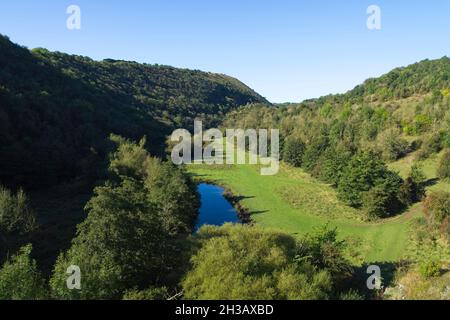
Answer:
(215, 209)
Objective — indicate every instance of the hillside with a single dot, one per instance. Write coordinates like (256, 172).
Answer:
(57, 110)
(404, 111)
(421, 78)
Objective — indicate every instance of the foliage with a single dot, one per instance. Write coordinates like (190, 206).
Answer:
(20, 278)
(58, 110)
(148, 294)
(437, 209)
(17, 221)
(15, 214)
(430, 269)
(444, 166)
(130, 239)
(265, 265)
(364, 172)
(323, 250)
(293, 151)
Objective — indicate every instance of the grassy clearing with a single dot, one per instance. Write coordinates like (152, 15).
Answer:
(403, 167)
(293, 202)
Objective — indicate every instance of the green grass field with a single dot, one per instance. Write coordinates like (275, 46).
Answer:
(295, 203)
(429, 167)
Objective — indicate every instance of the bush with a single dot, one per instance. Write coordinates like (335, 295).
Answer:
(413, 188)
(352, 295)
(437, 208)
(392, 145)
(17, 221)
(430, 269)
(431, 145)
(20, 278)
(265, 265)
(15, 214)
(444, 166)
(149, 294)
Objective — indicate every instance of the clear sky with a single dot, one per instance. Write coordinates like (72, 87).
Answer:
(287, 50)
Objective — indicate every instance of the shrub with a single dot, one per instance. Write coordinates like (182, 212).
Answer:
(431, 145)
(351, 295)
(265, 265)
(149, 294)
(413, 188)
(331, 165)
(20, 278)
(419, 179)
(444, 166)
(430, 269)
(15, 214)
(437, 208)
(392, 145)
(17, 221)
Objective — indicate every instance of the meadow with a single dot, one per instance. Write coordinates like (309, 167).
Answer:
(294, 202)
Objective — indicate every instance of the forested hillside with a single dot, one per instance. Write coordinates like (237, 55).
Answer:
(57, 110)
(57, 113)
(345, 140)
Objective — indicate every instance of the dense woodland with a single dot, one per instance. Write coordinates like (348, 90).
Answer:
(95, 132)
(57, 110)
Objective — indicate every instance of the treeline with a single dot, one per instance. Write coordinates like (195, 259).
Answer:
(136, 244)
(346, 140)
(134, 237)
(57, 111)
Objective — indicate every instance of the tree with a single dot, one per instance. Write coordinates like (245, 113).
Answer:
(17, 221)
(376, 202)
(364, 172)
(392, 145)
(131, 237)
(324, 250)
(418, 178)
(293, 151)
(444, 166)
(331, 164)
(437, 209)
(15, 215)
(265, 265)
(20, 278)
(313, 152)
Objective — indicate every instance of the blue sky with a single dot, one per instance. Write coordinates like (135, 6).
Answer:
(287, 50)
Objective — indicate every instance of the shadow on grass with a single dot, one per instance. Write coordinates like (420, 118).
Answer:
(361, 277)
(431, 182)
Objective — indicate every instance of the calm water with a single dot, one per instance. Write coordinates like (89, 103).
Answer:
(215, 209)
